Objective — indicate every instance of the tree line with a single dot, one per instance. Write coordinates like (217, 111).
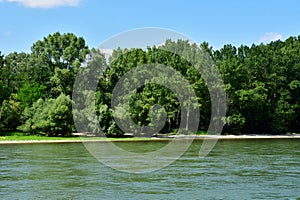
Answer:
(262, 85)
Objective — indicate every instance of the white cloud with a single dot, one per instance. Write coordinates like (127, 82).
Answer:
(46, 3)
(270, 36)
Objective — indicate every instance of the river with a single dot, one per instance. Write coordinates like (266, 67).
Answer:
(234, 169)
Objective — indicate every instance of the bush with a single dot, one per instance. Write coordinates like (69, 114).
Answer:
(52, 116)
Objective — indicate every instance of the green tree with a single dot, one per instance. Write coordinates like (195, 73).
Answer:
(52, 117)
(55, 61)
(13, 73)
(10, 113)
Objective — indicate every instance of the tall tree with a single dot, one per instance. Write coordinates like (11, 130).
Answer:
(56, 60)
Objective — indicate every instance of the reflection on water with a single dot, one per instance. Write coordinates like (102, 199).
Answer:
(235, 169)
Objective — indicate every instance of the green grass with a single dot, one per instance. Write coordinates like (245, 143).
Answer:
(34, 137)
(200, 132)
(42, 138)
(19, 136)
(45, 138)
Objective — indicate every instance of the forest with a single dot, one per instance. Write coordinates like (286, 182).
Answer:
(262, 85)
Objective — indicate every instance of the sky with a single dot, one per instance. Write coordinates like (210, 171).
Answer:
(218, 22)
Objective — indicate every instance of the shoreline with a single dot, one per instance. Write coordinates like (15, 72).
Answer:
(169, 138)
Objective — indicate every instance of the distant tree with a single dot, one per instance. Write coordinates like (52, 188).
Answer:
(262, 84)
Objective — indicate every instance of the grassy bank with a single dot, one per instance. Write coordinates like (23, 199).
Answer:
(15, 137)
(19, 136)
(34, 137)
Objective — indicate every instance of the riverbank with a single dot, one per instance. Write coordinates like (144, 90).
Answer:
(41, 140)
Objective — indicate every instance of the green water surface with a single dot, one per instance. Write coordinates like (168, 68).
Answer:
(235, 169)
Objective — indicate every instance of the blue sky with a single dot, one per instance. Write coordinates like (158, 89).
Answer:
(218, 22)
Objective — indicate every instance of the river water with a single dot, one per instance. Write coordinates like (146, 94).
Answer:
(235, 169)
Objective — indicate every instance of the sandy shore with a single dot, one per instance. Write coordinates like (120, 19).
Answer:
(202, 137)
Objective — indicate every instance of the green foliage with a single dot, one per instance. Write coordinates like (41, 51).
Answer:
(55, 62)
(12, 134)
(52, 117)
(3, 84)
(13, 73)
(10, 113)
(29, 93)
(262, 85)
